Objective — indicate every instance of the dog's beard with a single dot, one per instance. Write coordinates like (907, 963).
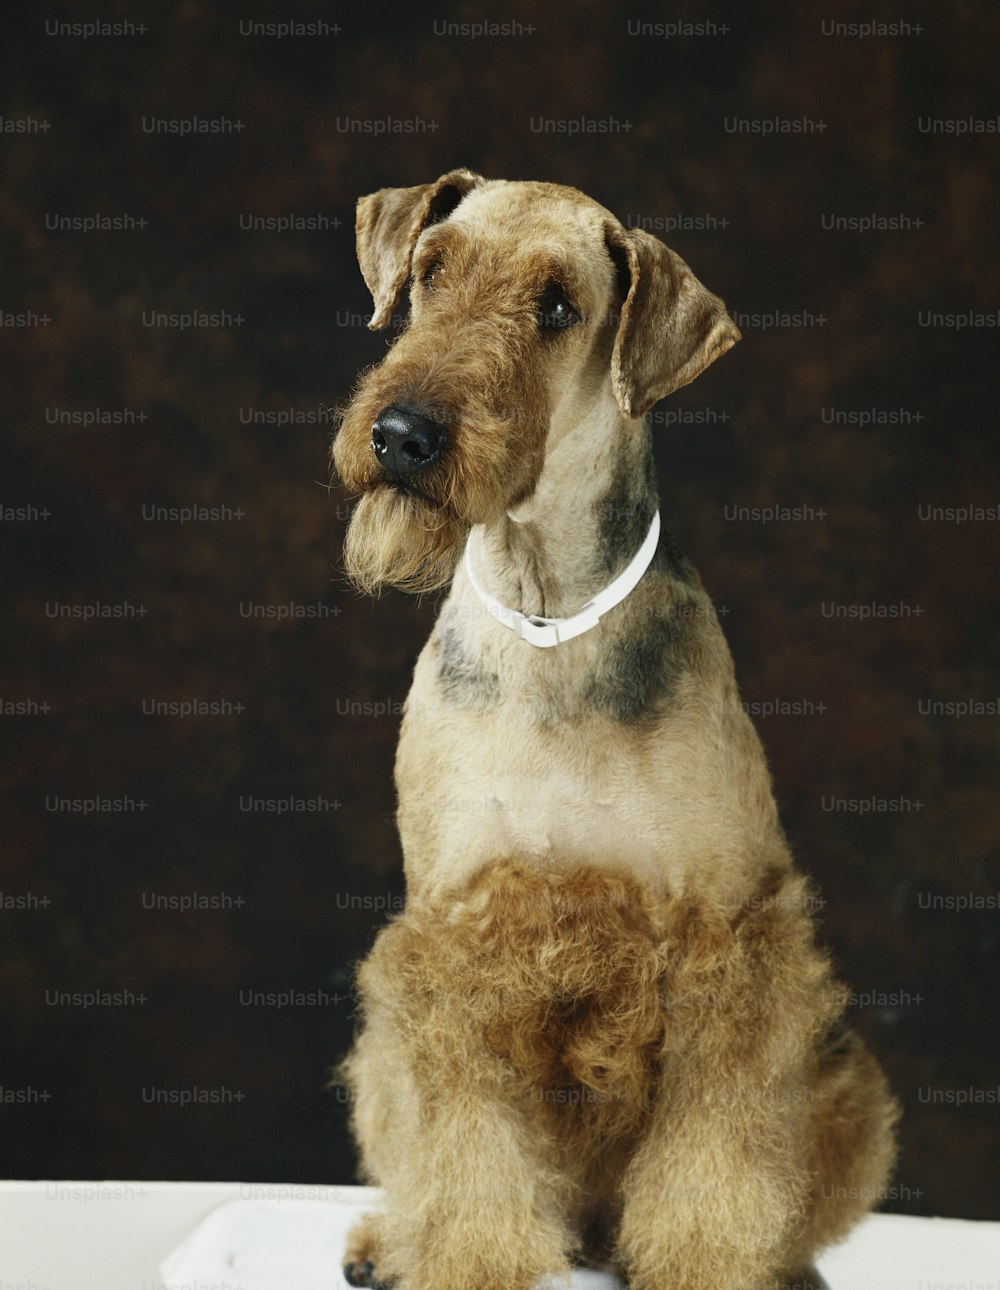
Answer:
(409, 532)
(397, 540)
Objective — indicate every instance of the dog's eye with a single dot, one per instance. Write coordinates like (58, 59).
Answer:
(554, 310)
(431, 276)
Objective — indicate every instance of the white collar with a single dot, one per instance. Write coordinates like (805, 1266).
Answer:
(545, 632)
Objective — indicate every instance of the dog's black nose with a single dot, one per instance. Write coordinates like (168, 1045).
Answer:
(405, 441)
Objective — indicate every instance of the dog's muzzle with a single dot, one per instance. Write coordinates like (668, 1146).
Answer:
(405, 441)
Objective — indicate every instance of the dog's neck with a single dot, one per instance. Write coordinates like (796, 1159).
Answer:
(586, 518)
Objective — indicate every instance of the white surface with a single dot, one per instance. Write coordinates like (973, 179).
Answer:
(115, 1235)
(894, 1252)
(265, 1245)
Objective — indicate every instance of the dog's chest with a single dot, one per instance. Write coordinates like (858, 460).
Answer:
(528, 765)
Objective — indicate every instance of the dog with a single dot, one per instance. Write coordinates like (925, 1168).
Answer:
(600, 1032)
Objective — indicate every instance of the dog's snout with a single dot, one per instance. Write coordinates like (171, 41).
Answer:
(405, 441)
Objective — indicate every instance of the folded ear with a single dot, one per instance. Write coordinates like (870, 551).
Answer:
(387, 227)
(671, 327)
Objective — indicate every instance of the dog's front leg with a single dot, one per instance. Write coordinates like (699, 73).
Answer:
(715, 1197)
(471, 1196)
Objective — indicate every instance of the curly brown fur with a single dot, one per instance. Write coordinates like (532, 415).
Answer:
(567, 1015)
(745, 1110)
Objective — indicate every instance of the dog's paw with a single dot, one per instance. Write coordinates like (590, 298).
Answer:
(363, 1275)
(361, 1257)
(806, 1279)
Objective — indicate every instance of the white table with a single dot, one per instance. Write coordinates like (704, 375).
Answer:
(114, 1236)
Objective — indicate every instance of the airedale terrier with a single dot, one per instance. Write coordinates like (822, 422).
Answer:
(601, 1030)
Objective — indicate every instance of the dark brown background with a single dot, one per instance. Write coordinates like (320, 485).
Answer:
(755, 434)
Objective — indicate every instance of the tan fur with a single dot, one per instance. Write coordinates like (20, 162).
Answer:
(601, 1029)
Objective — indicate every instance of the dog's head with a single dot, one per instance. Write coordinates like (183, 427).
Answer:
(530, 306)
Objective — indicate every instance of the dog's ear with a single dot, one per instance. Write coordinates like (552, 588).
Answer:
(671, 327)
(388, 225)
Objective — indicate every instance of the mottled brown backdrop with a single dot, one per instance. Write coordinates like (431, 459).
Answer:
(185, 889)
